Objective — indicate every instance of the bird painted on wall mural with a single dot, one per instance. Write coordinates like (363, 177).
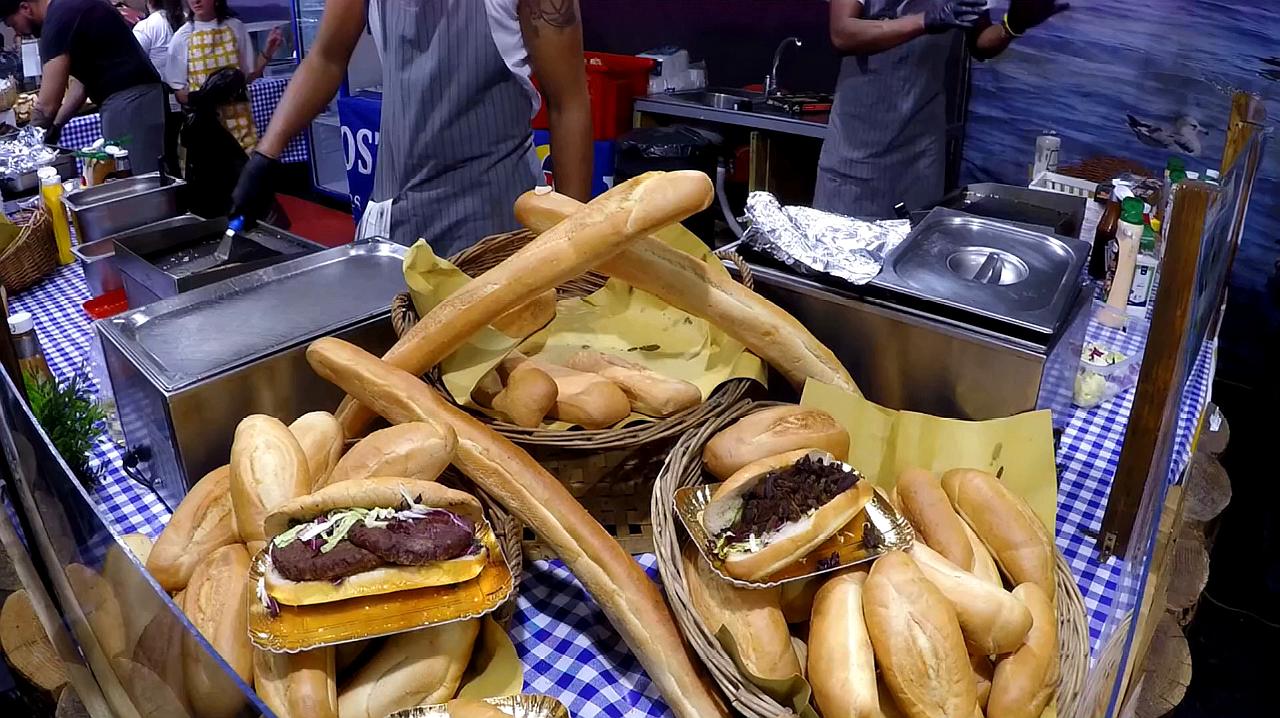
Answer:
(1183, 137)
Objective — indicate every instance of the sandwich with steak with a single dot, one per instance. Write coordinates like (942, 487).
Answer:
(772, 512)
(366, 537)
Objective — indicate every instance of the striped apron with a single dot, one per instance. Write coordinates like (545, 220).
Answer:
(456, 147)
(887, 142)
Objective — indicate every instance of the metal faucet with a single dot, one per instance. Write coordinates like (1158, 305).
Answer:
(771, 80)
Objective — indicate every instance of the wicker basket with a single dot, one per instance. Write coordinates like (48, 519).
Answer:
(684, 468)
(33, 254)
(487, 254)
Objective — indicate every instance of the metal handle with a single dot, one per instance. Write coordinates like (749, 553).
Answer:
(131, 463)
(989, 272)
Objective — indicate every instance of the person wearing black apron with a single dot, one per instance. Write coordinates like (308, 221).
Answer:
(888, 125)
(455, 146)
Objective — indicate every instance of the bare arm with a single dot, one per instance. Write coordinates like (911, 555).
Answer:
(71, 103)
(553, 36)
(55, 75)
(319, 76)
(852, 35)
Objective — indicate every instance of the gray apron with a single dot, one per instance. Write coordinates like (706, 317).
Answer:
(135, 117)
(455, 148)
(888, 125)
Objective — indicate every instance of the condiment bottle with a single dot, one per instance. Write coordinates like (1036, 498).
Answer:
(51, 190)
(1144, 275)
(1128, 239)
(27, 345)
(1105, 233)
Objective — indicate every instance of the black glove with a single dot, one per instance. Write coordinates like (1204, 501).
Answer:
(254, 194)
(52, 135)
(1026, 14)
(946, 15)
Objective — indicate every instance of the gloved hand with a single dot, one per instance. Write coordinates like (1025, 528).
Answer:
(52, 135)
(255, 194)
(946, 15)
(1026, 14)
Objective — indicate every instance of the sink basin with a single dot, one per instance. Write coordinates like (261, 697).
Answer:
(720, 98)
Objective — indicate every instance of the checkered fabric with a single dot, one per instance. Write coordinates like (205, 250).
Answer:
(567, 646)
(264, 95)
(211, 50)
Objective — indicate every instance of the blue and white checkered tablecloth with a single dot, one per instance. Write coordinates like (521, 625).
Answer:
(264, 95)
(567, 646)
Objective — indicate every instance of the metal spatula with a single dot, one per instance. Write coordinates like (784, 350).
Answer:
(228, 239)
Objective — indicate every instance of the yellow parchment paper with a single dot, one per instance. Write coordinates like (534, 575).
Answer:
(615, 319)
(495, 669)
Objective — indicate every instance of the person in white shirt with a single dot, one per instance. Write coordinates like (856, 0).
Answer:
(154, 33)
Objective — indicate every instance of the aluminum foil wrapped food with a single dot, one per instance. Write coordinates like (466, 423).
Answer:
(811, 241)
(25, 152)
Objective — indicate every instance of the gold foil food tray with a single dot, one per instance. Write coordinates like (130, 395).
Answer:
(523, 706)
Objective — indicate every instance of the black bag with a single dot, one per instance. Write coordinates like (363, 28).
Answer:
(214, 157)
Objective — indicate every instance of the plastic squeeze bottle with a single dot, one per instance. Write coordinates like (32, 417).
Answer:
(51, 191)
(1128, 239)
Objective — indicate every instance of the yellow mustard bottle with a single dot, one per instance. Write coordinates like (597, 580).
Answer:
(51, 190)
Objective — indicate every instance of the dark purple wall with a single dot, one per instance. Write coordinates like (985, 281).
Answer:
(736, 37)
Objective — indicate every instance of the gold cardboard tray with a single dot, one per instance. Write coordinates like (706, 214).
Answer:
(849, 544)
(299, 628)
(522, 706)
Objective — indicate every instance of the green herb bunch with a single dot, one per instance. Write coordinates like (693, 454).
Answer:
(72, 418)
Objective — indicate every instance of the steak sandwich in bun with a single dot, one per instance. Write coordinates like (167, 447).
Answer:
(774, 511)
(365, 537)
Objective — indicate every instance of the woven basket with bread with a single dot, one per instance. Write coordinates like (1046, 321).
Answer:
(934, 630)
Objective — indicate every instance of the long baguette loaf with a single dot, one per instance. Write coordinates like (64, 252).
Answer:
(688, 284)
(625, 594)
(633, 209)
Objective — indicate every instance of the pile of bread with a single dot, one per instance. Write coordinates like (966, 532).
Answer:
(928, 633)
(202, 558)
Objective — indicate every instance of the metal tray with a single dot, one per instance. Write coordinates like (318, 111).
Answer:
(849, 544)
(13, 185)
(1052, 212)
(299, 628)
(521, 706)
(212, 329)
(121, 205)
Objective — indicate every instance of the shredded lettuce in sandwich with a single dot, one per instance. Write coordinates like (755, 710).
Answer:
(330, 529)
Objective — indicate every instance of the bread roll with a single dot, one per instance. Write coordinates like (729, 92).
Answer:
(630, 210)
(150, 695)
(101, 609)
(1011, 531)
(888, 706)
(159, 648)
(464, 708)
(918, 643)
(992, 620)
(530, 394)
(983, 669)
(623, 591)
(135, 594)
(216, 603)
(649, 392)
(201, 523)
(297, 685)
(687, 283)
(588, 400)
(984, 567)
(753, 617)
(268, 468)
(139, 545)
(416, 450)
(923, 502)
(842, 667)
(771, 432)
(487, 389)
(320, 436)
(417, 668)
(524, 320)
(1025, 682)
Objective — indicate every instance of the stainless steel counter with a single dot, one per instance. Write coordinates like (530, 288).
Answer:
(757, 118)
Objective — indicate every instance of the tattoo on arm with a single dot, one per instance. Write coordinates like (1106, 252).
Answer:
(557, 14)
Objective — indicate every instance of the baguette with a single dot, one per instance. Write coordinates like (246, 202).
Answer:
(201, 524)
(415, 450)
(992, 620)
(1025, 682)
(632, 209)
(268, 468)
(687, 283)
(1011, 531)
(917, 640)
(625, 594)
(588, 400)
(753, 617)
(530, 394)
(416, 668)
(297, 685)
(924, 503)
(216, 603)
(320, 436)
(649, 392)
(984, 567)
(526, 319)
(842, 667)
(770, 432)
